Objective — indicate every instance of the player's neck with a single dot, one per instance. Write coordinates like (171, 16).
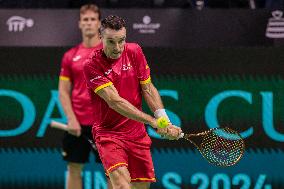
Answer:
(89, 42)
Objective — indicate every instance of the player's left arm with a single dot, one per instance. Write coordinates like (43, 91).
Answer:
(149, 91)
(154, 101)
(152, 96)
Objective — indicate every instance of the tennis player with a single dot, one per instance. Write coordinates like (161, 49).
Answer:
(118, 76)
(74, 96)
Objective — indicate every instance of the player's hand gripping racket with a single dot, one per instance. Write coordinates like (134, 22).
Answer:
(64, 127)
(219, 146)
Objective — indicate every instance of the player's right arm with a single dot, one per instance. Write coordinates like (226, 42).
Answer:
(125, 108)
(64, 89)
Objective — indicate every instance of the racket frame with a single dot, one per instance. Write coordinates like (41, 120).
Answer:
(189, 136)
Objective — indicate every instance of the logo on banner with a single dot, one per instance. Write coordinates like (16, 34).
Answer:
(275, 26)
(146, 27)
(18, 23)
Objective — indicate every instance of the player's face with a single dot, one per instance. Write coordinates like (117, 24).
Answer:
(113, 42)
(89, 23)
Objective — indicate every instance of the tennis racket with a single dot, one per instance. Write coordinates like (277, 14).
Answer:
(64, 127)
(219, 146)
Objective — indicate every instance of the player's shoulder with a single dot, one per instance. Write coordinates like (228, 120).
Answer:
(68, 55)
(99, 46)
(96, 55)
(94, 58)
(71, 51)
(132, 47)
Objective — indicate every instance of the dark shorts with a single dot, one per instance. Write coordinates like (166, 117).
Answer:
(135, 155)
(77, 149)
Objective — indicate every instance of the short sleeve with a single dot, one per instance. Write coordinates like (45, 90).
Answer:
(65, 71)
(142, 66)
(95, 77)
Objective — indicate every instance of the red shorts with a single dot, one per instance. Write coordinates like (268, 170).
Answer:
(135, 155)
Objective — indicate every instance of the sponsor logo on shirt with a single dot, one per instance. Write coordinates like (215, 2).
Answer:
(18, 23)
(95, 78)
(275, 25)
(108, 71)
(99, 76)
(126, 67)
(146, 27)
(76, 58)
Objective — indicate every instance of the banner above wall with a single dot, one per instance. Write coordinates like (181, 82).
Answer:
(149, 27)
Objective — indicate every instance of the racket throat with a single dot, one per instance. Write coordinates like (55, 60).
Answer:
(189, 137)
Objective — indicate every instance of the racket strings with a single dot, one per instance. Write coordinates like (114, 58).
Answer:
(222, 147)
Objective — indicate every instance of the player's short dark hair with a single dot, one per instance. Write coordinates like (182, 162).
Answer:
(113, 22)
(92, 7)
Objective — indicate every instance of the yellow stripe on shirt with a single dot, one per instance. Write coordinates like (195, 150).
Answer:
(146, 81)
(147, 67)
(64, 78)
(102, 86)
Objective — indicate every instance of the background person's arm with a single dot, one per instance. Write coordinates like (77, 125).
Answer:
(64, 88)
